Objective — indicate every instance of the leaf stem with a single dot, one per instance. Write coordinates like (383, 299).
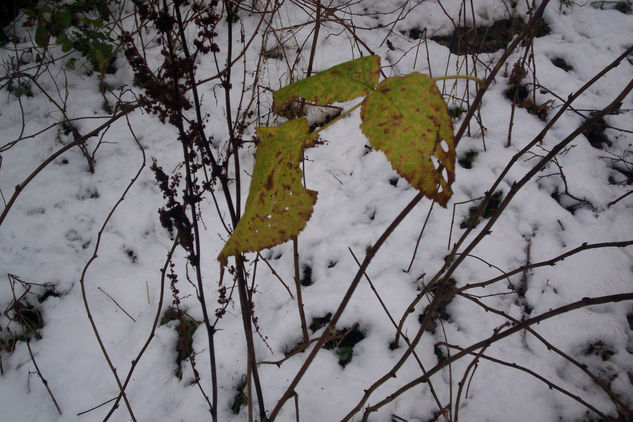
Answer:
(469, 77)
(339, 117)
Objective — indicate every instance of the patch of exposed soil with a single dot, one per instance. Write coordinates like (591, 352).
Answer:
(485, 39)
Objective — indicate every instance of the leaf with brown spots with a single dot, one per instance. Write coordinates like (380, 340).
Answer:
(407, 119)
(278, 205)
(343, 82)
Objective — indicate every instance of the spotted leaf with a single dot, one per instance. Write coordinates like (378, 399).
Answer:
(343, 82)
(407, 119)
(278, 205)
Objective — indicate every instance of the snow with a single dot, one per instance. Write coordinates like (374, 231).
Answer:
(49, 237)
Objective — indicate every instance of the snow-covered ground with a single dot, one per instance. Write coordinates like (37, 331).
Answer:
(60, 230)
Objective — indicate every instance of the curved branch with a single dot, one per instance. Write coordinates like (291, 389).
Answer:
(587, 301)
(19, 188)
(550, 262)
(551, 385)
(82, 279)
(614, 398)
(290, 391)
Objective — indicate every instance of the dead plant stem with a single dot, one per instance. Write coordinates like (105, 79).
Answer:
(393, 322)
(39, 374)
(19, 188)
(471, 111)
(549, 262)
(84, 295)
(622, 408)
(248, 332)
(587, 301)
(302, 317)
(195, 252)
(504, 57)
(290, 390)
(116, 303)
(550, 384)
(453, 264)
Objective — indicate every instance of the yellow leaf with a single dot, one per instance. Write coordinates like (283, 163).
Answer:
(407, 119)
(278, 205)
(343, 82)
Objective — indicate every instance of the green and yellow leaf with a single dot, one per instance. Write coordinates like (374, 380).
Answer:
(42, 36)
(343, 82)
(278, 205)
(407, 119)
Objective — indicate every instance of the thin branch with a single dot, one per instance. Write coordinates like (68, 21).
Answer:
(96, 407)
(471, 111)
(19, 188)
(616, 400)
(619, 198)
(480, 92)
(116, 303)
(302, 316)
(82, 280)
(470, 367)
(159, 308)
(550, 262)
(587, 301)
(343, 304)
(417, 243)
(393, 322)
(551, 385)
(274, 272)
(39, 374)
